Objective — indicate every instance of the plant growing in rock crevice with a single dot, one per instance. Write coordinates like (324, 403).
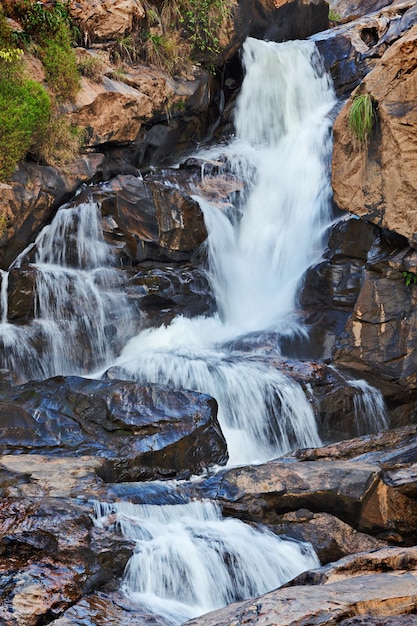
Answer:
(410, 278)
(362, 117)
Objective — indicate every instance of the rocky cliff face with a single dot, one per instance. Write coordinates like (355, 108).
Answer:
(375, 179)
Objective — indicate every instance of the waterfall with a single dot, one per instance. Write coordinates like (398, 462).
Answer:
(78, 300)
(258, 251)
(189, 560)
(369, 407)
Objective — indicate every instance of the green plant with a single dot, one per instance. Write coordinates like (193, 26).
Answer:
(362, 117)
(333, 16)
(58, 142)
(91, 67)
(410, 278)
(50, 28)
(126, 49)
(200, 20)
(25, 110)
(61, 66)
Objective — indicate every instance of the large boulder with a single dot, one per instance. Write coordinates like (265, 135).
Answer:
(149, 220)
(142, 431)
(376, 179)
(368, 483)
(351, 50)
(379, 335)
(51, 555)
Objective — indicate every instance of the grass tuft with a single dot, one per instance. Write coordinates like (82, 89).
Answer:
(362, 117)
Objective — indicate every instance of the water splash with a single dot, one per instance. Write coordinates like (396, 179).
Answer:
(189, 560)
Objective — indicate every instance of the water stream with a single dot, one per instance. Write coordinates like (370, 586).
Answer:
(188, 558)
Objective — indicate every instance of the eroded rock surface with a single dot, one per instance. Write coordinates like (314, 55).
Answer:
(376, 180)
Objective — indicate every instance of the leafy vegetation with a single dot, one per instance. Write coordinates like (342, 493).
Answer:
(333, 16)
(49, 27)
(29, 122)
(410, 278)
(362, 117)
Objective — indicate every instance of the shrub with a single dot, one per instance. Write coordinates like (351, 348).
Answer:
(25, 110)
(61, 66)
(91, 67)
(50, 28)
(362, 117)
(58, 142)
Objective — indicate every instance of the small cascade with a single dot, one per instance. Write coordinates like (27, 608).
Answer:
(3, 296)
(81, 315)
(369, 407)
(189, 560)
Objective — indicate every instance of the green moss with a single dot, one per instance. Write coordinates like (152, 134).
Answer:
(362, 117)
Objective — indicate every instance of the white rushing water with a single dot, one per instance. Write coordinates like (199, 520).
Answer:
(189, 560)
(79, 299)
(258, 251)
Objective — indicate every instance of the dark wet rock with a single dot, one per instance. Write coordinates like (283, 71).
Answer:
(50, 556)
(29, 201)
(148, 220)
(21, 294)
(350, 51)
(165, 291)
(142, 430)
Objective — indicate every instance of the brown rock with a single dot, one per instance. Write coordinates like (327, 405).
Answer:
(380, 334)
(331, 538)
(102, 20)
(383, 594)
(262, 492)
(377, 180)
(108, 608)
(51, 555)
(110, 111)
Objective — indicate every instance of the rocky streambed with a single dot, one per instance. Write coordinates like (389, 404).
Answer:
(75, 448)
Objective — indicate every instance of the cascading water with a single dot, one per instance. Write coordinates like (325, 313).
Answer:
(189, 560)
(78, 297)
(258, 251)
